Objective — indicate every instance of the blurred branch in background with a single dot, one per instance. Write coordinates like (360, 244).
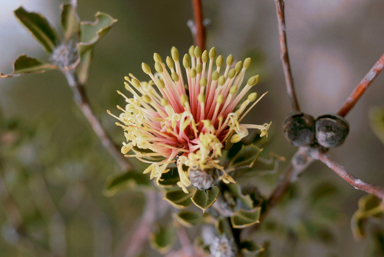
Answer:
(280, 9)
(134, 242)
(45, 204)
(363, 85)
(15, 219)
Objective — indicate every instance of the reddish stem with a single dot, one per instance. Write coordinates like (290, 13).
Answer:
(284, 55)
(355, 182)
(363, 85)
(200, 29)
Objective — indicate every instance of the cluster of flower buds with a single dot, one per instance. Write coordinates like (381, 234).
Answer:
(329, 130)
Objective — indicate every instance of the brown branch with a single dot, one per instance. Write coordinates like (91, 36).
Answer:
(363, 85)
(139, 238)
(200, 29)
(83, 103)
(284, 55)
(355, 182)
(187, 247)
(299, 162)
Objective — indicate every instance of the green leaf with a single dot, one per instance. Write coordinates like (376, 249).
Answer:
(223, 227)
(244, 218)
(92, 32)
(245, 158)
(369, 207)
(128, 180)
(188, 218)
(83, 68)
(39, 27)
(376, 116)
(25, 65)
(236, 191)
(320, 232)
(69, 20)
(163, 239)
(378, 244)
(323, 191)
(169, 179)
(358, 222)
(178, 198)
(249, 249)
(261, 167)
(205, 198)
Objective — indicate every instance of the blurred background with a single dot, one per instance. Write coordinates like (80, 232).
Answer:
(54, 168)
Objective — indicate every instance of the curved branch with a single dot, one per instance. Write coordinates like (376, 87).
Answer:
(284, 55)
(355, 182)
(363, 85)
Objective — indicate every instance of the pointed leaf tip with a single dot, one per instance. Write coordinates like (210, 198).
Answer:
(205, 198)
(25, 65)
(39, 27)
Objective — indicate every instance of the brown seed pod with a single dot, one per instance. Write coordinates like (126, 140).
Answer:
(331, 130)
(299, 129)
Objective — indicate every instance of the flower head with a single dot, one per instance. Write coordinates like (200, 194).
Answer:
(188, 118)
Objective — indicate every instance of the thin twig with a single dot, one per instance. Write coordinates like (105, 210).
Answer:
(83, 103)
(284, 55)
(299, 162)
(355, 182)
(139, 238)
(200, 29)
(46, 206)
(16, 221)
(363, 85)
(185, 242)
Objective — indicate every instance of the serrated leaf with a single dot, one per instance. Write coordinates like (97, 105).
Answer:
(376, 116)
(249, 249)
(69, 20)
(39, 27)
(178, 198)
(92, 32)
(169, 179)
(125, 181)
(235, 190)
(244, 218)
(188, 218)
(162, 239)
(25, 65)
(245, 158)
(205, 198)
(84, 66)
